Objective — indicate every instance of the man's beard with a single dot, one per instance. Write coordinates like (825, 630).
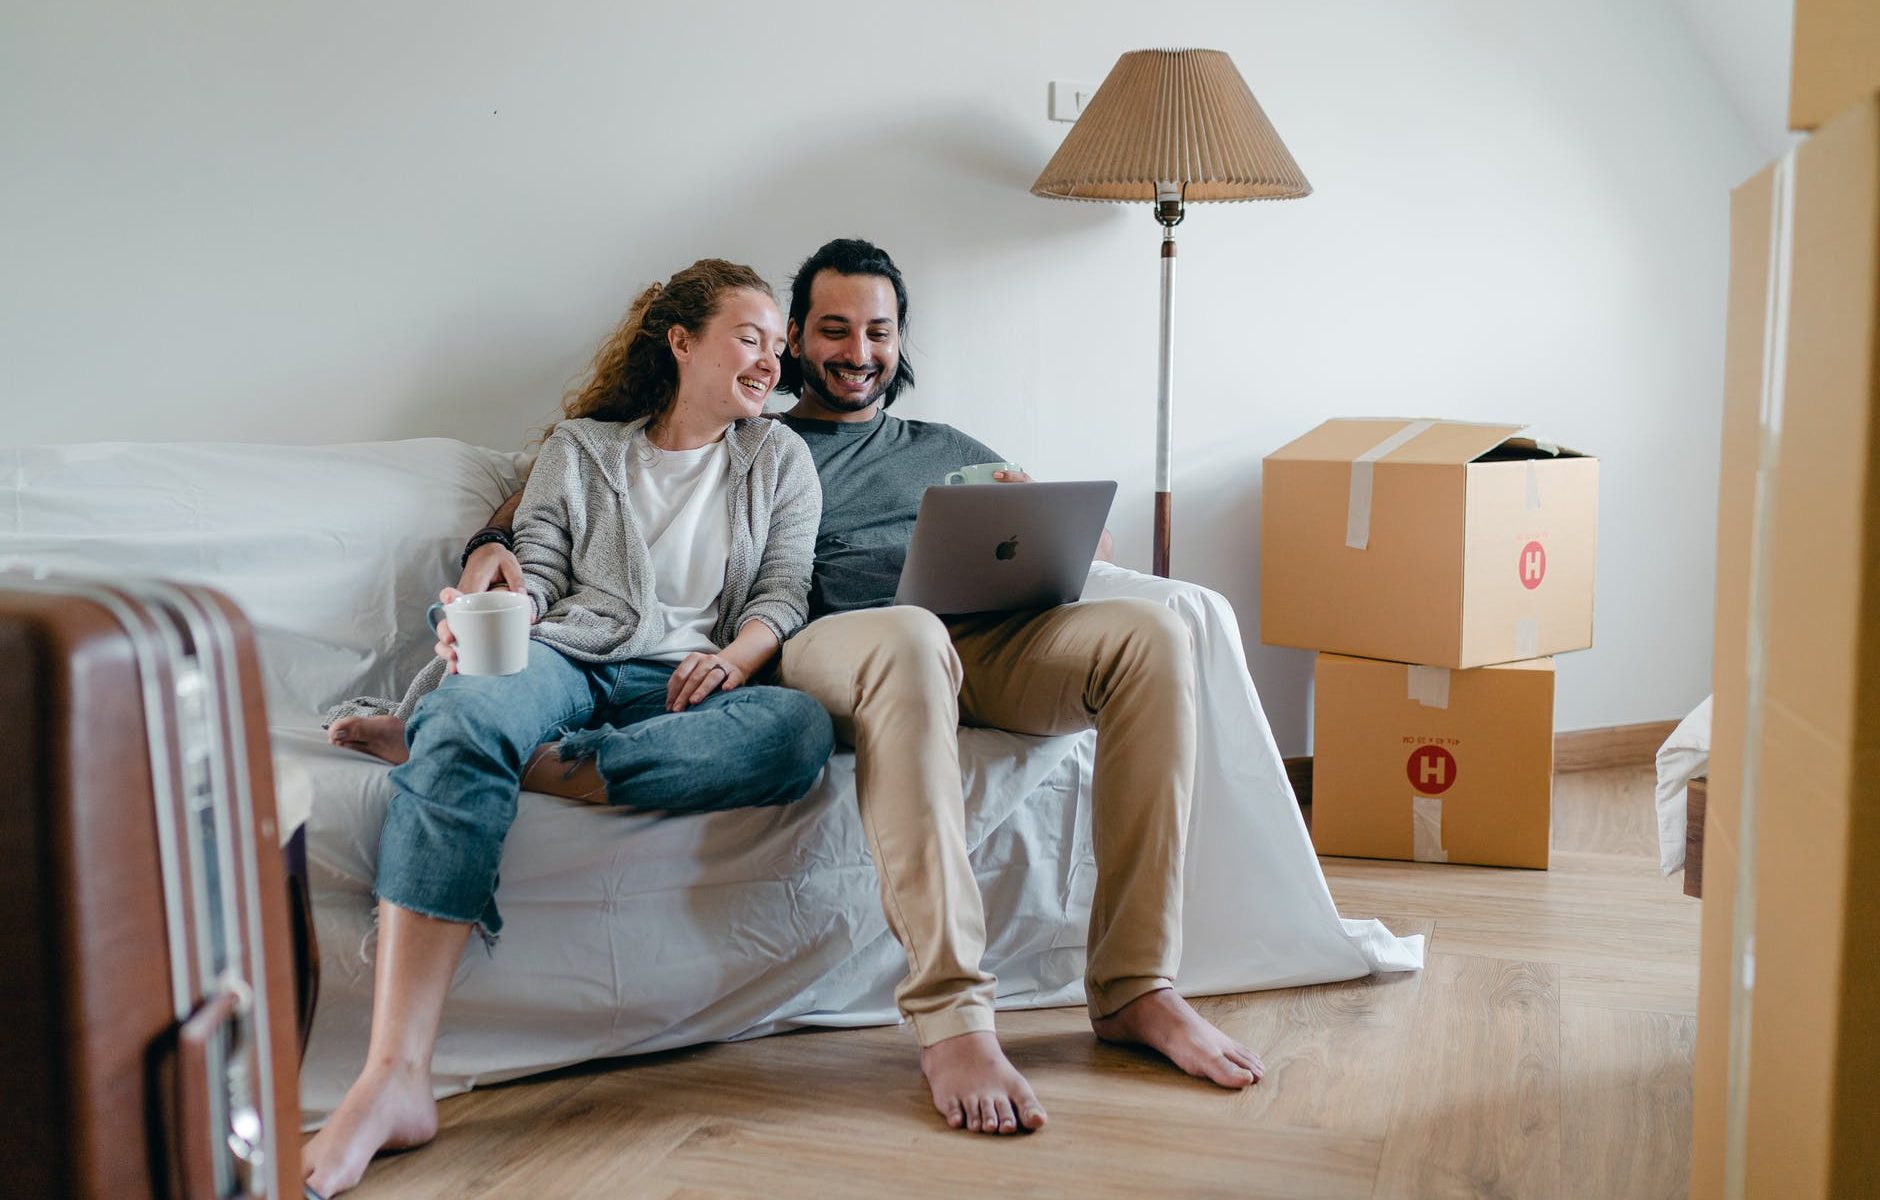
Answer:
(813, 379)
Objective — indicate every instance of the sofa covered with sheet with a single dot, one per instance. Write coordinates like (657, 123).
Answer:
(1684, 756)
(626, 933)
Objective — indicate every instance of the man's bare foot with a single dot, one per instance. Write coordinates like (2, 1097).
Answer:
(976, 1087)
(381, 737)
(1164, 1022)
(387, 1108)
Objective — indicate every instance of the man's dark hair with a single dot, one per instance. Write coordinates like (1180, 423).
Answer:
(847, 256)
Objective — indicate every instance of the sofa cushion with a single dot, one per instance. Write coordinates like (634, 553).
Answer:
(333, 551)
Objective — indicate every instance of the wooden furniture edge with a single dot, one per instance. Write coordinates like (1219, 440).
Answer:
(1696, 796)
(1299, 774)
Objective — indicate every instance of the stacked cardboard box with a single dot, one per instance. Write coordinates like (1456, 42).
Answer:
(1792, 828)
(1437, 566)
(1836, 59)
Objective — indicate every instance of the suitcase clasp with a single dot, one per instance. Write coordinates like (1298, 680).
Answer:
(221, 1147)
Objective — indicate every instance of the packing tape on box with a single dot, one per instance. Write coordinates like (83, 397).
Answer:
(1533, 488)
(1527, 638)
(1429, 686)
(1426, 830)
(1358, 510)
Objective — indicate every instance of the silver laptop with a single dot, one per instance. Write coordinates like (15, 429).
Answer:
(998, 547)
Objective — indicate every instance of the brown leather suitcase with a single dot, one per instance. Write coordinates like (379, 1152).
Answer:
(147, 1006)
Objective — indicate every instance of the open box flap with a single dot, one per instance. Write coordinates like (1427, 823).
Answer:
(1425, 441)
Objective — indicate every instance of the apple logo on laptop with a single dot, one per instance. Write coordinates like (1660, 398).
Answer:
(1007, 549)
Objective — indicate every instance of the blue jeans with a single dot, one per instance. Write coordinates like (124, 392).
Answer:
(454, 799)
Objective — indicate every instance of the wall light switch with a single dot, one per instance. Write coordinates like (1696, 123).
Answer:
(1068, 99)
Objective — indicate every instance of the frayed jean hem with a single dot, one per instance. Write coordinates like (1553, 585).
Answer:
(481, 926)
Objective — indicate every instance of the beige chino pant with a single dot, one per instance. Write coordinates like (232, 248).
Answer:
(900, 681)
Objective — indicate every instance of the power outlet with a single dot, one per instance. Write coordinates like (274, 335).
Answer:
(1068, 99)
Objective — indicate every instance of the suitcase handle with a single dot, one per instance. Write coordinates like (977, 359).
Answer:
(218, 1132)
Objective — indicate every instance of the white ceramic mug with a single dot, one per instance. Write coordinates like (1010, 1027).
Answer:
(491, 630)
(982, 472)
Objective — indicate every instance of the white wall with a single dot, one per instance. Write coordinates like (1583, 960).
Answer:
(354, 221)
(1750, 43)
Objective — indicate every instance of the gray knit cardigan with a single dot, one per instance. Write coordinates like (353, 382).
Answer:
(586, 566)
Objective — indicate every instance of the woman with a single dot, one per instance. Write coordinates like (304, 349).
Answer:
(653, 611)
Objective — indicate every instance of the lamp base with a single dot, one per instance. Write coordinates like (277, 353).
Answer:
(1164, 514)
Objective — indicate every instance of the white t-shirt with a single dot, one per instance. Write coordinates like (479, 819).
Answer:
(680, 501)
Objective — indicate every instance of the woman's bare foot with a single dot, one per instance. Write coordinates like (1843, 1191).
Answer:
(384, 737)
(387, 1108)
(381, 737)
(976, 1087)
(1168, 1024)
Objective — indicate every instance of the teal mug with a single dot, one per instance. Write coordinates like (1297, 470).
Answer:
(982, 472)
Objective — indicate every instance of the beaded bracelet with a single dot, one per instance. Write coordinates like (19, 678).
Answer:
(483, 537)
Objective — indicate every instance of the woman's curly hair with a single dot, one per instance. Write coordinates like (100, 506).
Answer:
(634, 373)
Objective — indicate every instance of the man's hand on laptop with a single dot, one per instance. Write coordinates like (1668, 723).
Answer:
(1010, 477)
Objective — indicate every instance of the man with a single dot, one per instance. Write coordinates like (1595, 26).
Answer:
(899, 681)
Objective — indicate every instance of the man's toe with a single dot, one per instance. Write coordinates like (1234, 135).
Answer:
(956, 1116)
(1007, 1122)
(1222, 1069)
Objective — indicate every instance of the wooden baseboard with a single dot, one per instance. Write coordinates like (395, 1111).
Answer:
(1574, 750)
(1612, 746)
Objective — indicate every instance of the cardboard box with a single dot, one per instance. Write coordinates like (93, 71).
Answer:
(1796, 743)
(1750, 211)
(1433, 765)
(1836, 58)
(1436, 542)
(1710, 1082)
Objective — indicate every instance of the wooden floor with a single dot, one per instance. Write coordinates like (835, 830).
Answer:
(1545, 1051)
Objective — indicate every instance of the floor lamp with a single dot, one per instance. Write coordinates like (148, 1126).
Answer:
(1167, 127)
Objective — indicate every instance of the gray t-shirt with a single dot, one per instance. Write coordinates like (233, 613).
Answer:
(873, 474)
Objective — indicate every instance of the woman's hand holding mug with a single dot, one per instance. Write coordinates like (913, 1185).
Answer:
(495, 640)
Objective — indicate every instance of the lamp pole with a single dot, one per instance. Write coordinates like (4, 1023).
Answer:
(1168, 210)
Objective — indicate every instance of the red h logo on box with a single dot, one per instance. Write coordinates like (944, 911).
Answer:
(1432, 770)
(1533, 565)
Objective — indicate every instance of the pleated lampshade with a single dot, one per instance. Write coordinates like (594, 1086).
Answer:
(1182, 117)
